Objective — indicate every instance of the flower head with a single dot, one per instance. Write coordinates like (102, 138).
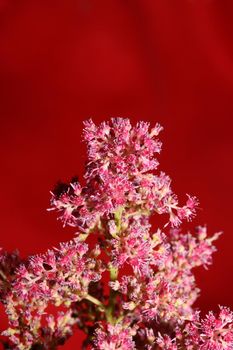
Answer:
(118, 337)
(121, 171)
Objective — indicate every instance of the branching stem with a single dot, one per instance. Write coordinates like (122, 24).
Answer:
(95, 301)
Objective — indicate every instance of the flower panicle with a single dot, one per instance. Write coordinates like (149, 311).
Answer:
(148, 301)
(60, 277)
(121, 171)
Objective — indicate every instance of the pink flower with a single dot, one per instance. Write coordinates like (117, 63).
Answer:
(120, 172)
(148, 303)
(61, 276)
(166, 343)
(115, 337)
(217, 331)
(136, 247)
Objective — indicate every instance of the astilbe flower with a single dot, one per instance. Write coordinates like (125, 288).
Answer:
(119, 336)
(147, 302)
(213, 332)
(119, 173)
(60, 276)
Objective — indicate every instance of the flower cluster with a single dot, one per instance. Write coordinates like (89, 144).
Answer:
(60, 276)
(120, 172)
(138, 248)
(119, 336)
(126, 285)
(169, 291)
(214, 332)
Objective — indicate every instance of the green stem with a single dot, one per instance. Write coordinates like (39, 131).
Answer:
(112, 297)
(113, 273)
(95, 301)
(2, 274)
(83, 236)
(118, 215)
(139, 212)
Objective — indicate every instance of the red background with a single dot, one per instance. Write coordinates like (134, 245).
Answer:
(64, 61)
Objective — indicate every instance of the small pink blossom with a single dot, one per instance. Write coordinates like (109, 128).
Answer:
(217, 331)
(166, 343)
(115, 337)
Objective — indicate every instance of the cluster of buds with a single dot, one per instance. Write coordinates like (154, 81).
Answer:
(135, 287)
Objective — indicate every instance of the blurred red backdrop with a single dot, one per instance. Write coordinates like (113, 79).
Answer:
(64, 61)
